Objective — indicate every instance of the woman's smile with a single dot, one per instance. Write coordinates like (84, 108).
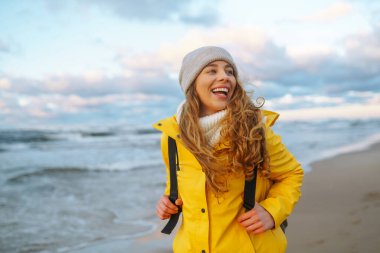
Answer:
(221, 92)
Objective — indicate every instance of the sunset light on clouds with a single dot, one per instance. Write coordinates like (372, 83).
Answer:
(105, 62)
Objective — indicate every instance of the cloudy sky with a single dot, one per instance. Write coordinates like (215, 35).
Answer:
(116, 61)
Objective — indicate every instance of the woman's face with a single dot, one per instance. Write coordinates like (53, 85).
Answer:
(215, 85)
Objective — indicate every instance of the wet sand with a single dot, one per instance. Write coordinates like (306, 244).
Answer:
(340, 206)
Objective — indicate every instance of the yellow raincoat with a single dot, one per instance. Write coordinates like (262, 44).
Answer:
(209, 224)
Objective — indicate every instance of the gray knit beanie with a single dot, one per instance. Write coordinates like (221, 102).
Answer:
(196, 60)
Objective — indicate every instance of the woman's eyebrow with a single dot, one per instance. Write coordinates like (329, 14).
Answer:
(216, 65)
(212, 65)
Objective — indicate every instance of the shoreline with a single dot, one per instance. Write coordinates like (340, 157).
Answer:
(363, 145)
(340, 203)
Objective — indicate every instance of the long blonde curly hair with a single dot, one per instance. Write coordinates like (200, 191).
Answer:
(242, 146)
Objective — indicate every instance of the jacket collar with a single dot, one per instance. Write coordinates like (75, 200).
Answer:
(270, 117)
(169, 126)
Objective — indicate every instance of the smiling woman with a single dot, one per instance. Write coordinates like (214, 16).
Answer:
(217, 149)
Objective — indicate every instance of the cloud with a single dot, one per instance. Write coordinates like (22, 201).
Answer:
(325, 70)
(276, 69)
(290, 101)
(329, 14)
(4, 108)
(153, 81)
(192, 12)
(351, 111)
(351, 105)
(37, 110)
(364, 46)
(288, 78)
(5, 84)
(205, 15)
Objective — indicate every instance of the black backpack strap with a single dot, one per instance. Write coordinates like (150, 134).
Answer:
(284, 225)
(173, 164)
(249, 197)
(250, 192)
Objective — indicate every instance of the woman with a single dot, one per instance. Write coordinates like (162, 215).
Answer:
(221, 138)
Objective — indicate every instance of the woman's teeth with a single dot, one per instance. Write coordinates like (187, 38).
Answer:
(222, 90)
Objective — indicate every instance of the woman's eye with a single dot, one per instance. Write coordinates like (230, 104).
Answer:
(212, 71)
(230, 72)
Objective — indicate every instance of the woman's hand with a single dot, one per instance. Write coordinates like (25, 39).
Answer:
(165, 208)
(256, 220)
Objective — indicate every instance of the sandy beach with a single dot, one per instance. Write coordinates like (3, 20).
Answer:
(340, 206)
(338, 211)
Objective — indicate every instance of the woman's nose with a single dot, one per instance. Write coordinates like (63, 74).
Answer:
(222, 75)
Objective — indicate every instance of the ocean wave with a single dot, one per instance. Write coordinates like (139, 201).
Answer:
(43, 136)
(26, 136)
(97, 134)
(44, 172)
(146, 131)
(56, 171)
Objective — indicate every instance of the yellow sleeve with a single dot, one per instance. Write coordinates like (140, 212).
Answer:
(287, 176)
(165, 158)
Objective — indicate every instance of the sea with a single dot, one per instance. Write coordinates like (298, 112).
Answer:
(67, 188)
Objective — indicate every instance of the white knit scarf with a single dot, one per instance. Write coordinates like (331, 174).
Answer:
(210, 124)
